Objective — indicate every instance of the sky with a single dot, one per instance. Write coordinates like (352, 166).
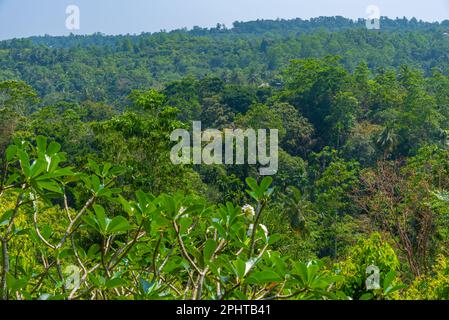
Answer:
(23, 18)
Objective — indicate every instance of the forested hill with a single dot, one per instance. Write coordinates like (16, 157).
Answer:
(259, 27)
(87, 178)
(107, 68)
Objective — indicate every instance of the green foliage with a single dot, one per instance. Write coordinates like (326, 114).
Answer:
(431, 287)
(354, 269)
(139, 142)
(363, 151)
(107, 68)
(193, 250)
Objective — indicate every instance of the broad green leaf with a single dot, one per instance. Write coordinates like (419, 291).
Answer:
(107, 166)
(129, 209)
(92, 222)
(116, 282)
(94, 167)
(239, 268)
(252, 183)
(41, 144)
(274, 238)
(53, 148)
(367, 296)
(24, 163)
(49, 185)
(209, 248)
(265, 184)
(37, 168)
(11, 151)
(101, 218)
(264, 276)
(93, 251)
(14, 284)
(95, 183)
(118, 225)
(389, 280)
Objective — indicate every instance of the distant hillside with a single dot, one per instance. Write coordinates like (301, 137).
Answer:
(106, 68)
(258, 27)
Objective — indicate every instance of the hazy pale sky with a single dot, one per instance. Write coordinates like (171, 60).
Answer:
(23, 18)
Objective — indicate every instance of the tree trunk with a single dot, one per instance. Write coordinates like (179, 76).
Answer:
(5, 269)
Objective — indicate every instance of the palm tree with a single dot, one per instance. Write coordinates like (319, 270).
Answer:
(388, 140)
(295, 207)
